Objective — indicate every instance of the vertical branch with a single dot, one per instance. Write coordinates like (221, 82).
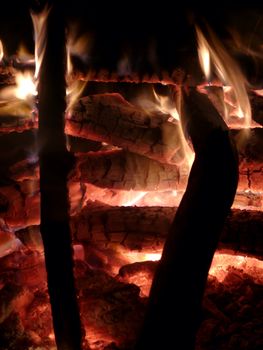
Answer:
(54, 166)
(178, 286)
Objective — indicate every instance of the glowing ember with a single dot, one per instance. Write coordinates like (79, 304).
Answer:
(219, 267)
(222, 262)
(24, 56)
(135, 197)
(228, 72)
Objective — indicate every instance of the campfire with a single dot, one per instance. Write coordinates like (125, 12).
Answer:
(132, 165)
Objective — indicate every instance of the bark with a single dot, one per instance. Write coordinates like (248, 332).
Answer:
(109, 118)
(180, 279)
(54, 165)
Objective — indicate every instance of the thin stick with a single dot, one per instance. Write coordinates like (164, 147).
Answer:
(54, 165)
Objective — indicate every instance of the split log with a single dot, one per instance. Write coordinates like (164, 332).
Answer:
(20, 203)
(16, 124)
(105, 231)
(124, 170)
(250, 144)
(146, 228)
(109, 118)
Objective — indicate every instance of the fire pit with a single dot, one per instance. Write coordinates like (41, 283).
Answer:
(132, 139)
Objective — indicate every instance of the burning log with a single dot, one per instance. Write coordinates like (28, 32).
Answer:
(109, 118)
(124, 170)
(16, 124)
(250, 158)
(20, 205)
(146, 228)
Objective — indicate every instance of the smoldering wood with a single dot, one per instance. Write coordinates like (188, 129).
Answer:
(142, 227)
(146, 228)
(19, 190)
(249, 144)
(124, 170)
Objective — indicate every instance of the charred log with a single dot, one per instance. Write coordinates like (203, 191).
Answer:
(109, 118)
(124, 170)
(146, 228)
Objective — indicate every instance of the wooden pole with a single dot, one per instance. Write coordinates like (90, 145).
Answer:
(176, 295)
(54, 165)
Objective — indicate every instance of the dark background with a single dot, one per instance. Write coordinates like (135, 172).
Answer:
(160, 36)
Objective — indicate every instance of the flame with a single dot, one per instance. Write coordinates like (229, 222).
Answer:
(23, 55)
(124, 66)
(227, 70)
(165, 105)
(40, 29)
(1, 51)
(19, 100)
(203, 53)
(259, 92)
(135, 198)
(74, 91)
(79, 47)
(25, 86)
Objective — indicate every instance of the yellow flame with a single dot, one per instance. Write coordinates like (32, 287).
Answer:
(165, 105)
(78, 46)
(1, 51)
(203, 53)
(74, 91)
(40, 28)
(18, 100)
(26, 87)
(228, 71)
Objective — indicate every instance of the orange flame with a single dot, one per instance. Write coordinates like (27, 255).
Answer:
(165, 105)
(40, 28)
(77, 46)
(172, 107)
(227, 70)
(203, 53)
(19, 99)
(26, 87)
(1, 51)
